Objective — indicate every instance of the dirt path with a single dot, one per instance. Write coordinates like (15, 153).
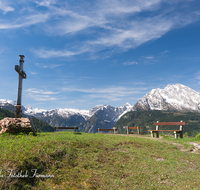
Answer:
(195, 149)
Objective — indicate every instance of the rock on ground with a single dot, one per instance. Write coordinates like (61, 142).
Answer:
(16, 126)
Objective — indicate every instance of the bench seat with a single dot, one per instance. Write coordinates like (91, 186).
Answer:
(107, 130)
(131, 132)
(66, 128)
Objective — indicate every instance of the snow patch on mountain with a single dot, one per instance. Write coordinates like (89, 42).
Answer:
(68, 112)
(125, 108)
(3, 102)
(97, 108)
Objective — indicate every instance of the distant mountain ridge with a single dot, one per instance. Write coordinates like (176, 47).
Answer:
(104, 117)
(72, 117)
(172, 98)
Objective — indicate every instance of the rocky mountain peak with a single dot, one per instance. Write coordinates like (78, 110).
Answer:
(176, 97)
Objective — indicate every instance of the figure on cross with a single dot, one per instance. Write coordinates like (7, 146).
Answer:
(22, 74)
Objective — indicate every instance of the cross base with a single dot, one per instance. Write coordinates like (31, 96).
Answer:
(18, 111)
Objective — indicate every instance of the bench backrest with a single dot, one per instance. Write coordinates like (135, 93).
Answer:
(170, 123)
(107, 129)
(134, 127)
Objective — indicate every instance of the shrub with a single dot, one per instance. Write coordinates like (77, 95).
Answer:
(185, 135)
(30, 133)
(198, 137)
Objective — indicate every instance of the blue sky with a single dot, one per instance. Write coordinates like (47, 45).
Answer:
(83, 53)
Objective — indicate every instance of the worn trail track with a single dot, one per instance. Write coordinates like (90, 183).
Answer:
(194, 149)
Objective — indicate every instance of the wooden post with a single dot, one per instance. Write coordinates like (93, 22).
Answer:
(152, 135)
(22, 75)
(175, 134)
(157, 133)
(127, 130)
(98, 130)
(114, 129)
(138, 130)
(74, 129)
(181, 131)
(157, 125)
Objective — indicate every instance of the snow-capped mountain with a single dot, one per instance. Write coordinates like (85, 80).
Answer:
(69, 116)
(104, 117)
(118, 111)
(65, 113)
(86, 114)
(173, 97)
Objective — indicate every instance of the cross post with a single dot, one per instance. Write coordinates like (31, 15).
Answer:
(22, 74)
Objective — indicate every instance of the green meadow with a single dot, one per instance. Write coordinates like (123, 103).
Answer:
(66, 160)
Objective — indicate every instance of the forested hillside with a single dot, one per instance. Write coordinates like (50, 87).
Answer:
(6, 113)
(145, 119)
(40, 126)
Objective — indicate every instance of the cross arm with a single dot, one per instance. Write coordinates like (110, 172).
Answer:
(20, 71)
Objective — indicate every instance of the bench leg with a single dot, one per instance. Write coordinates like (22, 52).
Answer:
(175, 134)
(138, 130)
(181, 134)
(152, 135)
(157, 134)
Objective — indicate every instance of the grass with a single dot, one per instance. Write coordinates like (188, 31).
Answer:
(97, 161)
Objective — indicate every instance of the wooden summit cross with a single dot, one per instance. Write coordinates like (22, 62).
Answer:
(22, 74)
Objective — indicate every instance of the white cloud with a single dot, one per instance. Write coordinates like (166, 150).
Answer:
(26, 21)
(130, 36)
(117, 24)
(109, 93)
(130, 63)
(118, 90)
(154, 59)
(40, 95)
(39, 91)
(149, 57)
(136, 33)
(56, 53)
(33, 73)
(51, 66)
(164, 52)
(45, 3)
(4, 7)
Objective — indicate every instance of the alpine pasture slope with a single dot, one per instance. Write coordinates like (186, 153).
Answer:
(68, 160)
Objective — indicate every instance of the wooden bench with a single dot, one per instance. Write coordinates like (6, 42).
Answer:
(66, 128)
(176, 132)
(131, 132)
(114, 129)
